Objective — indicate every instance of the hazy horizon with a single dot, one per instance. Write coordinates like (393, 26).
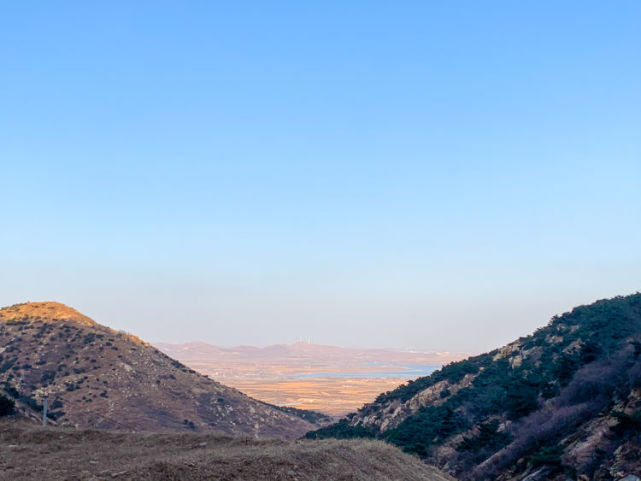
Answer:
(425, 175)
(287, 343)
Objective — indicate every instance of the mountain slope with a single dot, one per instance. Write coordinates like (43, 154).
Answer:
(95, 376)
(34, 454)
(564, 401)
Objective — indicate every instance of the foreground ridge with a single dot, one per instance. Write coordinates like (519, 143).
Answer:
(32, 454)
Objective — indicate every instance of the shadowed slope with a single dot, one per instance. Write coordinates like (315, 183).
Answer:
(564, 402)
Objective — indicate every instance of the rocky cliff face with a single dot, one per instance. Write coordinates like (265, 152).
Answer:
(562, 403)
(94, 376)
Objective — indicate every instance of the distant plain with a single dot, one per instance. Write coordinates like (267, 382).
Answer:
(330, 379)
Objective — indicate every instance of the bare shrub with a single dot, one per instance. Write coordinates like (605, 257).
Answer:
(596, 380)
(544, 426)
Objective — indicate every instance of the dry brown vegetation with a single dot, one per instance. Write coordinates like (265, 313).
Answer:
(45, 311)
(29, 453)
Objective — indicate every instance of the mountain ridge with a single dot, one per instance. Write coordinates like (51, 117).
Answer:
(301, 347)
(561, 403)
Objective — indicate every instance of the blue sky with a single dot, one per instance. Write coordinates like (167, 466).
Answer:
(433, 175)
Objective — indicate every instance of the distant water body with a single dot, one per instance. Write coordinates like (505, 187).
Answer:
(409, 371)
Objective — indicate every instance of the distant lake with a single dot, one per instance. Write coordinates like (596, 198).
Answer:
(409, 371)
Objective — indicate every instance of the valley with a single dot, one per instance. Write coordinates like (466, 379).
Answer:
(563, 403)
(330, 379)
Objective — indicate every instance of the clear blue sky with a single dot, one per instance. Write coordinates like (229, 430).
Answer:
(439, 175)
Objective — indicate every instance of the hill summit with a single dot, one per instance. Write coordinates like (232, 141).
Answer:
(43, 311)
(94, 376)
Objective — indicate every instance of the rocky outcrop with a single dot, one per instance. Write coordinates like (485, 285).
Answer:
(392, 413)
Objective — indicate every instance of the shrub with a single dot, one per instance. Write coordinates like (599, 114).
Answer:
(6, 406)
(548, 456)
(189, 424)
(341, 430)
(47, 377)
(488, 437)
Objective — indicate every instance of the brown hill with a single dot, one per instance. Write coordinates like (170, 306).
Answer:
(94, 376)
(33, 454)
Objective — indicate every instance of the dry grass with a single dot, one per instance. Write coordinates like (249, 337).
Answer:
(29, 453)
(45, 311)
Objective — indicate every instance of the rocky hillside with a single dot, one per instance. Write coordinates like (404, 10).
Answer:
(562, 403)
(94, 376)
(33, 454)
